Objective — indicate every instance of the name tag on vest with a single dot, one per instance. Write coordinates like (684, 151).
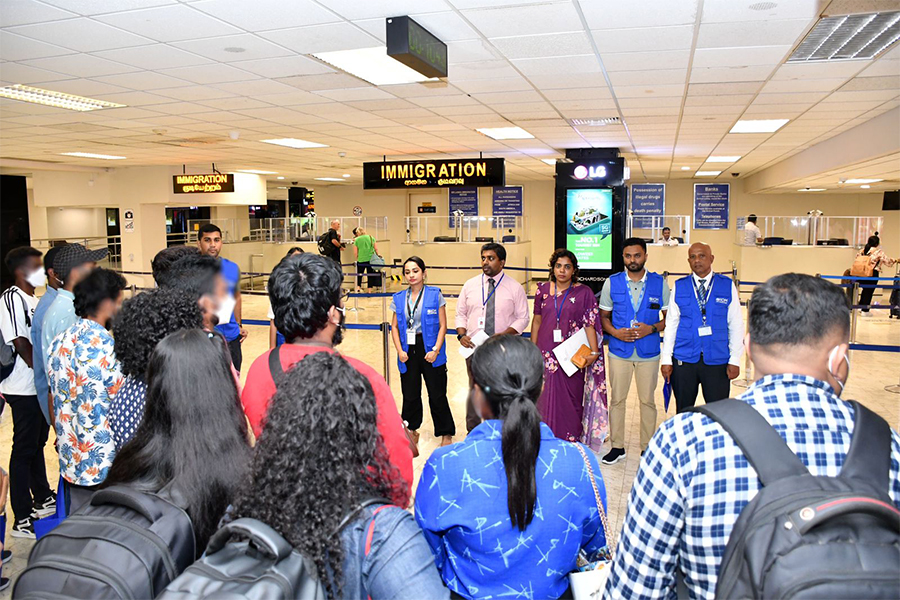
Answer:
(411, 337)
(431, 311)
(722, 300)
(704, 331)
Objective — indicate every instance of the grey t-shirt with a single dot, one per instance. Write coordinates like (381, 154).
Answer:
(636, 288)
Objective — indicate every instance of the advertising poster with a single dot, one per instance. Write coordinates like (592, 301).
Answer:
(711, 205)
(464, 199)
(589, 227)
(647, 200)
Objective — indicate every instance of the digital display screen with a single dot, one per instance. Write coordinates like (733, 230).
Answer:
(589, 227)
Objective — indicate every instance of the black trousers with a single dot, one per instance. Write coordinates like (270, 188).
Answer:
(373, 277)
(27, 473)
(868, 290)
(417, 369)
(237, 356)
(688, 377)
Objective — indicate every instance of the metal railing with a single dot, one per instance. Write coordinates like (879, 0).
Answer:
(113, 243)
(466, 228)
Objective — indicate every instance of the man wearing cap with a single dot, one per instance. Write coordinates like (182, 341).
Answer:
(72, 264)
(37, 339)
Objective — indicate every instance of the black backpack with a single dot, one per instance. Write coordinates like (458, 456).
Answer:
(248, 559)
(324, 244)
(811, 537)
(123, 544)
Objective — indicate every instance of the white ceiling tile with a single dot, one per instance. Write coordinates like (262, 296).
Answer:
(646, 61)
(752, 33)
(728, 11)
(170, 23)
(470, 51)
(256, 87)
(541, 46)
(359, 93)
(601, 14)
(286, 66)
(262, 15)
(704, 100)
(86, 87)
(446, 26)
(352, 9)
(374, 27)
(13, 73)
(295, 98)
(720, 89)
(650, 102)
(598, 94)
(722, 74)
(330, 81)
(650, 91)
(489, 69)
(821, 70)
(512, 84)
(233, 48)
(212, 73)
(737, 57)
(644, 39)
(549, 66)
(525, 20)
(507, 97)
(153, 57)
(802, 85)
(23, 12)
(84, 35)
(143, 81)
(17, 47)
(882, 67)
(96, 7)
(891, 82)
(568, 80)
(322, 38)
(82, 65)
(135, 98)
(668, 76)
(862, 96)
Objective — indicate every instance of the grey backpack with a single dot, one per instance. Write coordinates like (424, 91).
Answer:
(123, 544)
(804, 536)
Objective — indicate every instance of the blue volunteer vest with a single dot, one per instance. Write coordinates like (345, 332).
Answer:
(623, 313)
(431, 323)
(688, 343)
(232, 275)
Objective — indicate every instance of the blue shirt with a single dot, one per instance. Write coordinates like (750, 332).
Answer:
(694, 481)
(461, 506)
(37, 350)
(59, 317)
(232, 275)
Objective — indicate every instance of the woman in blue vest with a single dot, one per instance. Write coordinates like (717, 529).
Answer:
(418, 328)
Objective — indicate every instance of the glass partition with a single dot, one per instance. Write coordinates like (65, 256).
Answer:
(374, 226)
(233, 230)
(650, 228)
(812, 230)
(466, 229)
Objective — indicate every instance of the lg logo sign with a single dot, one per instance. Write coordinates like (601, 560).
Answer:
(596, 172)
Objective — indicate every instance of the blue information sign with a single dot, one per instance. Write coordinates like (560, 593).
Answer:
(464, 199)
(647, 200)
(711, 205)
(507, 203)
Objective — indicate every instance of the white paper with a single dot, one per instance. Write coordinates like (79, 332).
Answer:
(478, 339)
(565, 351)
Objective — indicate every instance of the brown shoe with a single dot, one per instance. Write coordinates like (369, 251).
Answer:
(414, 436)
(446, 440)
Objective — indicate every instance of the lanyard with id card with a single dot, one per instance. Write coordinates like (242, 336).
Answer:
(705, 329)
(557, 333)
(410, 323)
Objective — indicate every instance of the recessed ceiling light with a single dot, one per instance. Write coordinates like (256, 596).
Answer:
(685, 168)
(865, 186)
(857, 181)
(328, 179)
(372, 65)
(848, 37)
(294, 143)
(811, 190)
(56, 99)
(281, 187)
(280, 177)
(549, 161)
(723, 159)
(601, 122)
(256, 171)
(235, 49)
(92, 155)
(758, 125)
(505, 133)
(345, 175)
(707, 173)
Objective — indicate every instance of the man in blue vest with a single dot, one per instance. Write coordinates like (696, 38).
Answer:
(209, 240)
(630, 303)
(704, 333)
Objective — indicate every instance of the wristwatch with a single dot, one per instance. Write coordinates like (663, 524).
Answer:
(460, 336)
(654, 329)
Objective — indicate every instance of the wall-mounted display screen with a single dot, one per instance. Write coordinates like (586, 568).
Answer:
(589, 227)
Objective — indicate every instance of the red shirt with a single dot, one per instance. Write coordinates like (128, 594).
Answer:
(260, 388)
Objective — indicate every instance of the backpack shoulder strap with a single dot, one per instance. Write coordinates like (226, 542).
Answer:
(275, 368)
(869, 456)
(370, 532)
(763, 447)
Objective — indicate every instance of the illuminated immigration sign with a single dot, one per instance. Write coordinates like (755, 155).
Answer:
(434, 173)
(212, 183)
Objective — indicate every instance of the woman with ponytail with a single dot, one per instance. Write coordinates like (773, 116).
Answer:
(507, 510)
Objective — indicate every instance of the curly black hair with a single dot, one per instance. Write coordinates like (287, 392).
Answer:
(564, 253)
(99, 285)
(167, 257)
(302, 289)
(314, 464)
(143, 321)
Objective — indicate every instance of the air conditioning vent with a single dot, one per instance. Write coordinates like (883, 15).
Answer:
(849, 37)
(601, 122)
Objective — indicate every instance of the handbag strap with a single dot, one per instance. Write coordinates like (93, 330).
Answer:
(600, 510)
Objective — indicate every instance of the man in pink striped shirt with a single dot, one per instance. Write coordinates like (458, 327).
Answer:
(490, 302)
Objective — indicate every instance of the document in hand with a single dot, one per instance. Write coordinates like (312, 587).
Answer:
(566, 350)
(478, 338)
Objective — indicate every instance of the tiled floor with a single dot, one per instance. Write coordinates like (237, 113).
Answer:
(870, 373)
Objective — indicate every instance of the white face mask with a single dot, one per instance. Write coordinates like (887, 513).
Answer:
(832, 373)
(226, 309)
(37, 278)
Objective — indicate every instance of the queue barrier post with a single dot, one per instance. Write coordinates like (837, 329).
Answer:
(385, 333)
(854, 299)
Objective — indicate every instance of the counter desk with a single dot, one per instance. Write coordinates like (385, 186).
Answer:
(759, 263)
(464, 254)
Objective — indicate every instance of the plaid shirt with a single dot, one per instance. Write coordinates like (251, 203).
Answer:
(694, 481)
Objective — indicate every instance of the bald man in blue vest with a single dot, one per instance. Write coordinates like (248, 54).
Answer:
(704, 334)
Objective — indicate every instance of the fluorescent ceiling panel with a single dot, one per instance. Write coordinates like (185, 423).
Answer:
(862, 181)
(294, 143)
(372, 65)
(758, 125)
(707, 173)
(849, 37)
(56, 99)
(723, 159)
(91, 155)
(811, 190)
(505, 133)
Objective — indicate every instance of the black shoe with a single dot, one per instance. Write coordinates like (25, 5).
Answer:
(7, 556)
(613, 456)
(23, 529)
(4, 583)
(47, 507)
(642, 453)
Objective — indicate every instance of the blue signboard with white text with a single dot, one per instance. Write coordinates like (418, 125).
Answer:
(507, 203)
(711, 202)
(464, 199)
(647, 200)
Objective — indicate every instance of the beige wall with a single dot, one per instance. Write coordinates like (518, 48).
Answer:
(71, 222)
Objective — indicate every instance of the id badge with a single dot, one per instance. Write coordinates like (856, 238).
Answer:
(481, 322)
(704, 331)
(557, 335)
(634, 323)
(411, 337)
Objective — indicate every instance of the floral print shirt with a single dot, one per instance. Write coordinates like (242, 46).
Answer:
(84, 375)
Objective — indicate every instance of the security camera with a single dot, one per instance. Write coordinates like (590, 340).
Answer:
(294, 182)
(735, 174)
